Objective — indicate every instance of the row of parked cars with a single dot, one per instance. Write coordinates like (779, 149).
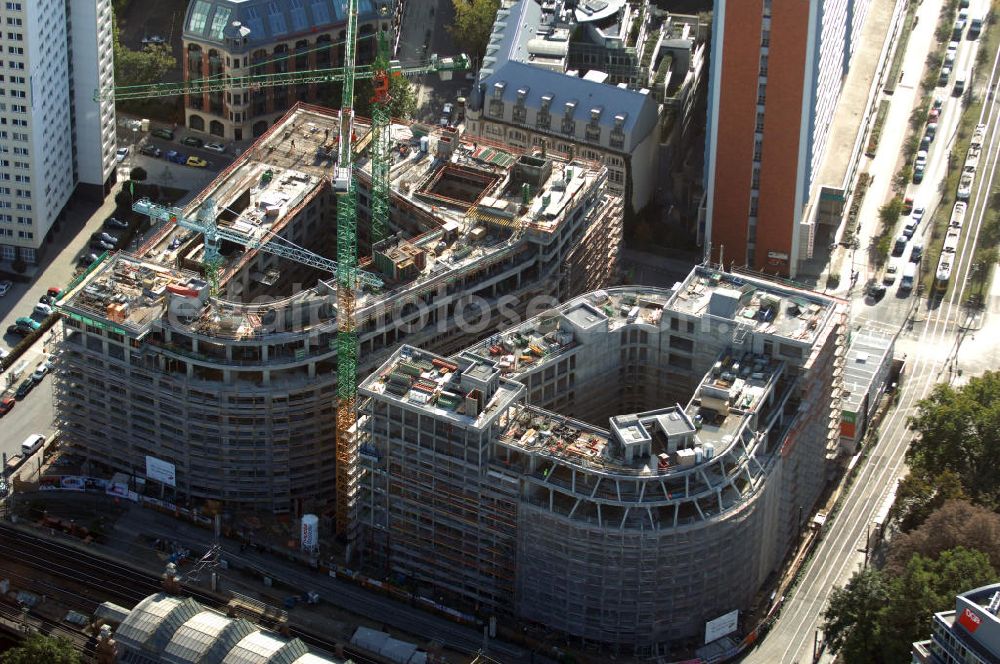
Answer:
(25, 325)
(102, 241)
(151, 150)
(29, 383)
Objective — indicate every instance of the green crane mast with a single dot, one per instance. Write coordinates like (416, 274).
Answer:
(345, 187)
(381, 139)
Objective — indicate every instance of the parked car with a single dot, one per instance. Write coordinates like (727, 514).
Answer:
(193, 141)
(918, 214)
(24, 388)
(120, 154)
(5, 286)
(890, 275)
(900, 245)
(164, 133)
(27, 321)
(112, 223)
(46, 299)
(909, 229)
(18, 330)
(150, 150)
(216, 147)
(176, 157)
(87, 260)
(42, 309)
(39, 373)
(944, 75)
(101, 245)
(875, 290)
(6, 404)
(153, 39)
(921, 158)
(196, 162)
(104, 237)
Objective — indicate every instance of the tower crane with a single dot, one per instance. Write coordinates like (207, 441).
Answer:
(381, 140)
(345, 188)
(434, 65)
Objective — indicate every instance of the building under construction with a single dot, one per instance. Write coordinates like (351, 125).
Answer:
(621, 468)
(228, 372)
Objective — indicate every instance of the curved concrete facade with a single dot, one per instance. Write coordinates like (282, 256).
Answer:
(489, 475)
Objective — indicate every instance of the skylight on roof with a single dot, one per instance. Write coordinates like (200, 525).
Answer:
(219, 22)
(199, 16)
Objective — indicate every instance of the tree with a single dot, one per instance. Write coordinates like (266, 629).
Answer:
(917, 497)
(402, 98)
(889, 213)
(926, 586)
(38, 648)
(140, 67)
(138, 174)
(959, 430)
(473, 25)
(123, 199)
(876, 617)
(956, 523)
(851, 620)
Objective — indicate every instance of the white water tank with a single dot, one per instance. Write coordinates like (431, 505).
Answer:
(310, 532)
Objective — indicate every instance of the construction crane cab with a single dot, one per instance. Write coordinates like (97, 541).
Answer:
(341, 179)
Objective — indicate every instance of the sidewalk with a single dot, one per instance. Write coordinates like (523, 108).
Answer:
(856, 108)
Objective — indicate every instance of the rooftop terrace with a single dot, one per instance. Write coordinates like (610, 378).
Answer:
(468, 390)
(759, 306)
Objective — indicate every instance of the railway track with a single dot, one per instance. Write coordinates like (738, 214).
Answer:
(111, 580)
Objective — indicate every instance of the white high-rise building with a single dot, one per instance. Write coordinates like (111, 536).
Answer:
(54, 137)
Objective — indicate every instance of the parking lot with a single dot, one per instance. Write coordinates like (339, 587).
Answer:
(165, 160)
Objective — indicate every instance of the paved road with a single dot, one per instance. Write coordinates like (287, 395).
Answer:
(937, 346)
(888, 157)
(34, 413)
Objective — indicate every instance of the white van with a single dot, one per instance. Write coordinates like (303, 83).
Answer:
(31, 444)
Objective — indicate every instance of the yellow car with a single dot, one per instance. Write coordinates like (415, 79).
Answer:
(197, 162)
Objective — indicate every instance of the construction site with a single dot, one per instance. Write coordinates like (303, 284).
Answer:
(621, 468)
(213, 347)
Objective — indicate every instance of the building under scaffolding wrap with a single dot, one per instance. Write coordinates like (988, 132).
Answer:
(551, 471)
(237, 389)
